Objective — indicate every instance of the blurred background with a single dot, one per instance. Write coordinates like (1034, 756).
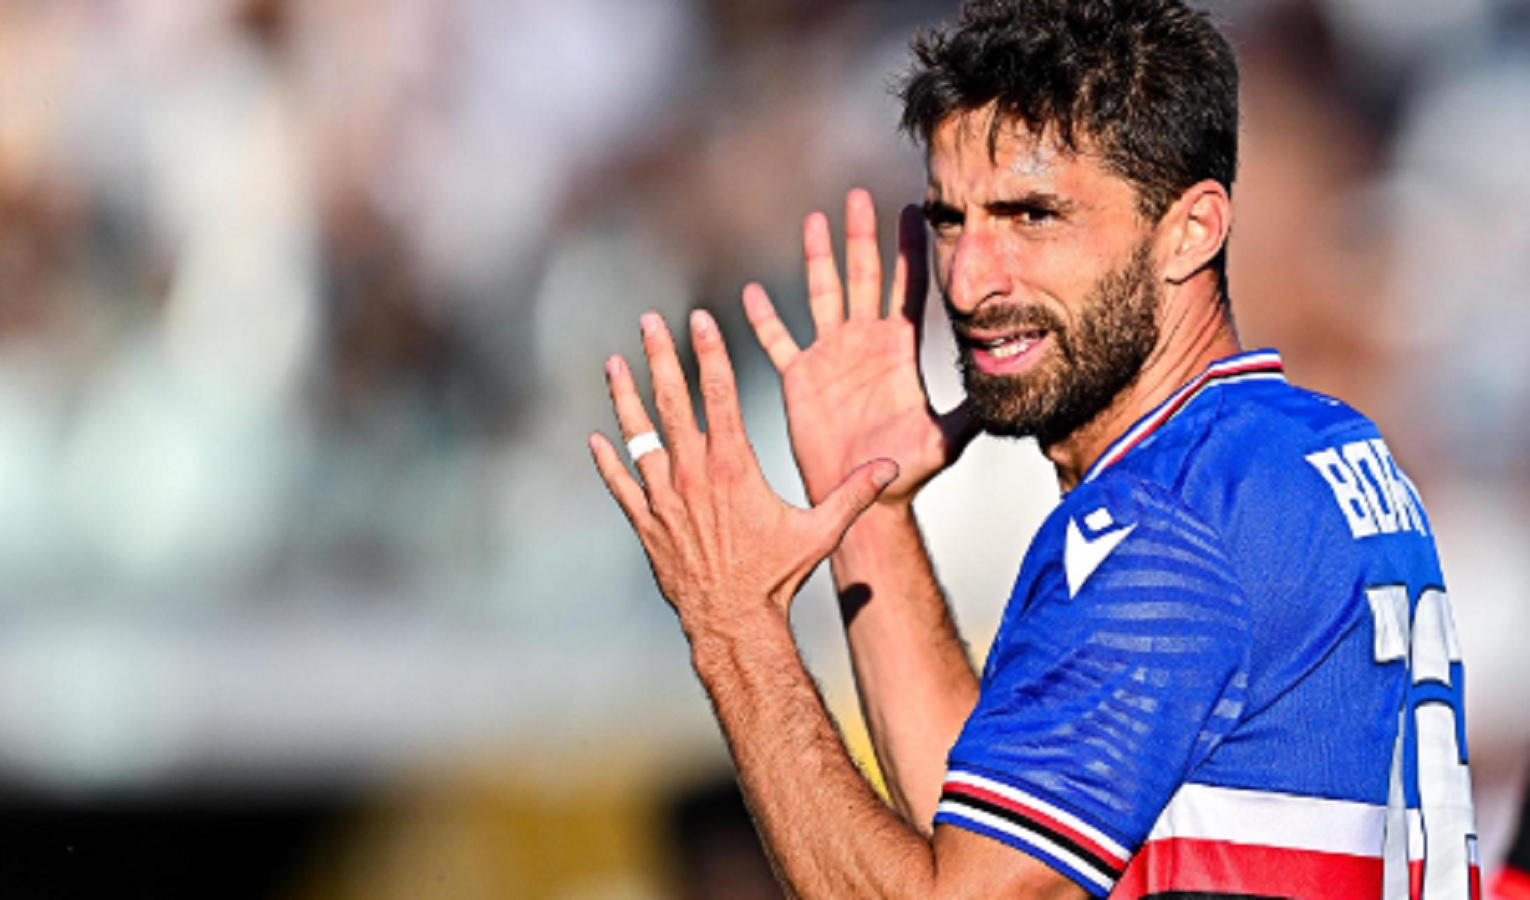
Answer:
(307, 587)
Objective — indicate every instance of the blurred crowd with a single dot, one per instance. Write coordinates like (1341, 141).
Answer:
(303, 306)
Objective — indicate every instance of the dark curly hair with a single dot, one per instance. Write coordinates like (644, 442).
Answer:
(1150, 85)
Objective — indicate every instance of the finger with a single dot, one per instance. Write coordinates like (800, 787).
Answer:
(719, 390)
(623, 487)
(826, 296)
(768, 328)
(863, 259)
(632, 418)
(834, 516)
(671, 393)
(911, 273)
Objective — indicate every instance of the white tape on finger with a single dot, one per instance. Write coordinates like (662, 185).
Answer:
(643, 444)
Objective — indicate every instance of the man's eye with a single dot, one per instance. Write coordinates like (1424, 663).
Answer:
(942, 219)
(945, 226)
(1028, 214)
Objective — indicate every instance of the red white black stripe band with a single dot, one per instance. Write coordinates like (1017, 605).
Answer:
(1226, 841)
(1260, 365)
(1273, 819)
(1089, 852)
(1210, 841)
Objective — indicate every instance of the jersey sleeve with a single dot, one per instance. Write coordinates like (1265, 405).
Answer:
(1121, 662)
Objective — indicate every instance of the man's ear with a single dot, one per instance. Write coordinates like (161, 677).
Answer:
(1195, 230)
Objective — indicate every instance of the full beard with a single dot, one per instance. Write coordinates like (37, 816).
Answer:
(1095, 358)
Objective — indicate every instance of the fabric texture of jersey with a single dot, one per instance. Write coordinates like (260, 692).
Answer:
(1227, 668)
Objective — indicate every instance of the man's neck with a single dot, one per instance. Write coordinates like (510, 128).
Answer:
(1188, 344)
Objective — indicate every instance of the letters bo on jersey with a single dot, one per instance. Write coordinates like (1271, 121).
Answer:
(1372, 492)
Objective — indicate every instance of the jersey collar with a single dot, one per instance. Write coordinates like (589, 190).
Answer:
(1257, 365)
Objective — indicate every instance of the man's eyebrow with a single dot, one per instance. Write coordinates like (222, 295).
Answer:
(939, 210)
(936, 210)
(940, 213)
(1031, 201)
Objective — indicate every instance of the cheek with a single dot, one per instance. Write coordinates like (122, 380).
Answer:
(1067, 275)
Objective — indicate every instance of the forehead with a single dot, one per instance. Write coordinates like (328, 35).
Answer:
(971, 161)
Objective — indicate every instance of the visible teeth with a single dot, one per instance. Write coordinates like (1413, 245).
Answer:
(1008, 348)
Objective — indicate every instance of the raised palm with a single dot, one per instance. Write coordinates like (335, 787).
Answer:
(855, 393)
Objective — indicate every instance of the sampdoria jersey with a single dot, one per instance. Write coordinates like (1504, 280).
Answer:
(1228, 667)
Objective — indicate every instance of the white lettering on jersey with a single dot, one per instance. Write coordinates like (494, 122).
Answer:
(1372, 492)
(1431, 836)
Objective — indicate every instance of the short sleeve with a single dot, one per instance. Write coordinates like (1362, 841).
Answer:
(1120, 664)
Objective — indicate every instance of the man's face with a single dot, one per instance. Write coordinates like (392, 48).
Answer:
(1044, 264)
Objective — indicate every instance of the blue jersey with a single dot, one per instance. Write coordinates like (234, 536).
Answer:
(1228, 666)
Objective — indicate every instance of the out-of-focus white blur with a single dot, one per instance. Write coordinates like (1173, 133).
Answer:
(304, 305)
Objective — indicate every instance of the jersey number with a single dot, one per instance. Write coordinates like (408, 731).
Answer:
(1431, 845)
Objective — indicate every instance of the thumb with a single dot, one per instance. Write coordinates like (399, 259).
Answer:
(846, 502)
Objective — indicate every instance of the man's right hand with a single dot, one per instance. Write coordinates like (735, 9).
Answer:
(855, 393)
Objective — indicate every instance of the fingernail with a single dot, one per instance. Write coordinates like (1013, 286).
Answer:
(885, 474)
(650, 322)
(613, 366)
(702, 323)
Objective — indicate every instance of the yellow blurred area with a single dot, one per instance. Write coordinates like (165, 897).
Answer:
(590, 831)
(571, 826)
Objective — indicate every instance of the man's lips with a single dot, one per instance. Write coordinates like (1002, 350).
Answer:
(1005, 353)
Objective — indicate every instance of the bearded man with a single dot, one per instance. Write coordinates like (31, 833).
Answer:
(1227, 668)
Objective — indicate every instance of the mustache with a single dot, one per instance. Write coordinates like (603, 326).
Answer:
(1005, 318)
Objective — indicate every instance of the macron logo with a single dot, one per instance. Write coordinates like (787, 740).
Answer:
(1081, 555)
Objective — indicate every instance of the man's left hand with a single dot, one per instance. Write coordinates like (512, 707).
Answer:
(723, 545)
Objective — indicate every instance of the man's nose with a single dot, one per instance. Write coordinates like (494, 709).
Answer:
(977, 271)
